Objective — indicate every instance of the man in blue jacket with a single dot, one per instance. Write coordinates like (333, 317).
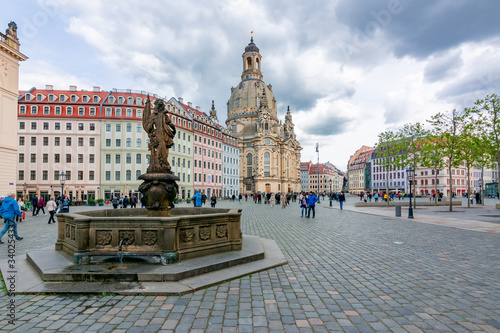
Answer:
(311, 202)
(196, 199)
(9, 210)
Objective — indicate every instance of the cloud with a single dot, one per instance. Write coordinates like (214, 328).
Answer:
(442, 67)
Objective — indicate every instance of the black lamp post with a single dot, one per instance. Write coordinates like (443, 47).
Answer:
(317, 150)
(481, 191)
(98, 193)
(410, 173)
(62, 180)
(331, 195)
(25, 188)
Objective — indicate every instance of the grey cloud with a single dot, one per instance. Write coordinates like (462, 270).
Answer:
(443, 67)
(331, 125)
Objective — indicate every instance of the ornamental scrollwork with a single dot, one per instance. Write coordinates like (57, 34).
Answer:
(103, 237)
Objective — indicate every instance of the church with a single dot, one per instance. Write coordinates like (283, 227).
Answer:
(270, 152)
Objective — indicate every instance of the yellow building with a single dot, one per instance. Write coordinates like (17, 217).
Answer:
(9, 93)
(270, 152)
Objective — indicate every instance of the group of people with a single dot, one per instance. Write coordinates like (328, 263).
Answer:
(124, 201)
(199, 199)
(54, 206)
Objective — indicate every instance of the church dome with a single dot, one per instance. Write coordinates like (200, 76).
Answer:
(251, 47)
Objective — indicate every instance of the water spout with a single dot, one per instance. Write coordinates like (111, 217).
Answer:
(124, 240)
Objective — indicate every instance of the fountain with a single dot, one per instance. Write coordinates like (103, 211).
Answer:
(164, 243)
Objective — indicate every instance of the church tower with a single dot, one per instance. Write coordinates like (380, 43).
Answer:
(270, 160)
(213, 113)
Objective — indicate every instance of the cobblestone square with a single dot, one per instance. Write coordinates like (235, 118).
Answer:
(346, 272)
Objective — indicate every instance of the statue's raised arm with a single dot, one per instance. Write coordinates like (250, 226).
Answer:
(146, 115)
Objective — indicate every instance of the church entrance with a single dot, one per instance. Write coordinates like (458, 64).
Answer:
(268, 188)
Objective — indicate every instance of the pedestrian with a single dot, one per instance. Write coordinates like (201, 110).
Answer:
(239, 198)
(59, 204)
(196, 199)
(203, 199)
(246, 196)
(143, 202)
(65, 204)
(115, 202)
(22, 207)
(213, 201)
(234, 197)
(8, 210)
(311, 202)
(133, 201)
(51, 207)
(41, 205)
(34, 203)
(303, 205)
(126, 202)
(341, 200)
(271, 200)
(120, 202)
(283, 203)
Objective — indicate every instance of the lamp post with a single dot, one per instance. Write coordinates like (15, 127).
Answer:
(317, 150)
(481, 191)
(62, 180)
(25, 188)
(98, 193)
(331, 192)
(410, 173)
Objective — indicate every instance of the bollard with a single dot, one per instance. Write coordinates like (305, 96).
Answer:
(398, 211)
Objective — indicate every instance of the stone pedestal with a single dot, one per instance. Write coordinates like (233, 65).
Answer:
(159, 191)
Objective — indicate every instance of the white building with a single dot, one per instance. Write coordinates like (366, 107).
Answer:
(230, 164)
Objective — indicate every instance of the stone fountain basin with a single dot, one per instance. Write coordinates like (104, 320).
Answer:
(177, 234)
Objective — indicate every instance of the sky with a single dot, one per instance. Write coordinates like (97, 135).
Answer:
(348, 69)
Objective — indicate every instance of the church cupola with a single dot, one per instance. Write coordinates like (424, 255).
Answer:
(251, 62)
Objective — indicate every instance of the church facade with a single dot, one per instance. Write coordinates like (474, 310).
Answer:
(269, 150)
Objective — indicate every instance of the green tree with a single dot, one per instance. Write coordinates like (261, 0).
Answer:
(488, 110)
(447, 128)
(432, 156)
(387, 149)
(467, 146)
(409, 137)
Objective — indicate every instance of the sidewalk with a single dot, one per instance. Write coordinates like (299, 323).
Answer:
(462, 217)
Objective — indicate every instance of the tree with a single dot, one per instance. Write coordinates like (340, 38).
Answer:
(408, 140)
(386, 150)
(432, 156)
(488, 110)
(447, 128)
(467, 146)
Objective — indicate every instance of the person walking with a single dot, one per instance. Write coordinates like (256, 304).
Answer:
(133, 201)
(65, 204)
(311, 202)
(213, 201)
(41, 205)
(246, 196)
(203, 199)
(126, 202)
(22, 207)
(115, 202)
(239, 198)
(34, 203)
(271, 200)
(196, 199)
(8, 210)
(52, 207)
(303, 205)
(341, 200)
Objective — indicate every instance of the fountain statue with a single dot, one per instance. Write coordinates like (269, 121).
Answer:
(159, 187)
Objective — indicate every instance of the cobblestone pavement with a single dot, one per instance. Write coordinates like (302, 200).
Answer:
(347, 272)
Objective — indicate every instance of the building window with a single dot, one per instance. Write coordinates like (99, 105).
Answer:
(22, 109)
(108, 142)
(80, 126)
(108, 112)
(138, 128)
(128, 175)
(21, 140)
(108, 175)
(80, 142)
(137, 174)
(81, 111)
(68, 175)
(129, 142)
(138, 159)
(68, 141)
(80, 158)
(34, 109)
(138, 143)
(92, 112)
(46, 110)
(129, 112)
(33, 158)
(21, 158)
(45, 126)
(117, 175)
(33, 125)
(91, 175)
(249, 159)
(91, 158)
(108, 127)
(57, 126)
(92, 126)
(22, 125)
(118, 158)
(58, 110)
(147, 158)
(21, 175)
(138, 113)
(118, 142)
(69, 111)
(92, 142)
(128, 158)
(108, 158)
(68, 126)
(118, 127)
(118, 112)
(56, 174)
(33, 141)
(57, 158)
(129, 128)
(68, 158)
(80, 175)
(32, 175)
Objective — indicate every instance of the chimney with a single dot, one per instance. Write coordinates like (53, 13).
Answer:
(72, 88)
(129, 91)
(96, 89)
(143, 92)
(198, 108)
(49, 87)
(114, 90)
(181, 100)
(190, 104)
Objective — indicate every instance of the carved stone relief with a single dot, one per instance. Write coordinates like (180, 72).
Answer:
(103, 237)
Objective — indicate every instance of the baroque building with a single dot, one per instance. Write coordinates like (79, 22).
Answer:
(270, 152)
(9, 85)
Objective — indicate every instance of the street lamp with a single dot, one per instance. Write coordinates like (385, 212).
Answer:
(98, 193)
(331, 192)
(410, 173)
(481, 191)
(62, 180)
(25, 188)
(317, 150)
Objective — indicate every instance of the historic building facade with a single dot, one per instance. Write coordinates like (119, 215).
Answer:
(270, 152)
(9, 93)
(357, 170)
(230, 164)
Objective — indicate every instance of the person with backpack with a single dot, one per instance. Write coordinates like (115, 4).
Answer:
(341, 200)
(196, 199)
(213, 201)
(34, 203)
(41, 205)
(303, 205)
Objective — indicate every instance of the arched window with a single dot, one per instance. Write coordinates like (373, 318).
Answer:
(138, 143)
(120, 100)
(138, 101)
(130, 100)
(137, 174)
(128, 158)
(129, 127)
(249, 63)
(266, 126)
(257, 64)
(138, 158)
(249, 159)
(128, 175)
(129, 142)
(147, 158)
(267, 158)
